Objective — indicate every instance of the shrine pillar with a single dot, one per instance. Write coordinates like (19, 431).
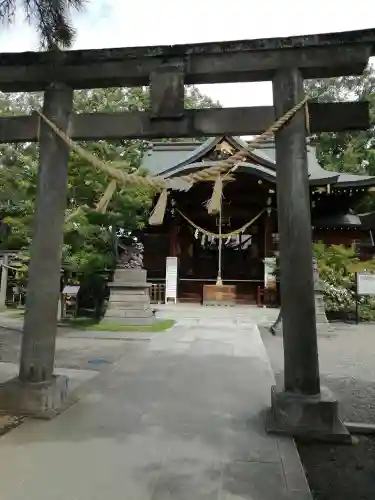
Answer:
(37, 391)
(301, 407)
(173, 238)
(268, 250)
(270, 287)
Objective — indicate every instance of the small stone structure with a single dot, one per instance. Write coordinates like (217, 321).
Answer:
(320, 313)
(322, 323)
(129, 301)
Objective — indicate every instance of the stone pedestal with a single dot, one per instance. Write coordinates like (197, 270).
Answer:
(38, 400)
(320, 313)
(129, 301)
(322, 323)
(308, 417)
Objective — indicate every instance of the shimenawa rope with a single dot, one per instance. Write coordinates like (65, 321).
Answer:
(222, 235)
(224, 166)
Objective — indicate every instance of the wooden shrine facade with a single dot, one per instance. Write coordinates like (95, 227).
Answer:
(188, 231)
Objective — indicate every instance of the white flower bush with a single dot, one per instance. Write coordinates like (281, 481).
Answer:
(337, 266)
(337, 298)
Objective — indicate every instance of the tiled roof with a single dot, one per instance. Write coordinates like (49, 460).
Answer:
(171, 159)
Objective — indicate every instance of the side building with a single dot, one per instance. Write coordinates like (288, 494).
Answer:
(249, 202)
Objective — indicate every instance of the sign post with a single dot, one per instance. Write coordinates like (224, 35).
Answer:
(356, 300)
(171, 279)
(364, 285)
(269, 272)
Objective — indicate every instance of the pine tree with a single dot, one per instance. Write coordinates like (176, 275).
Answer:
(52, 19)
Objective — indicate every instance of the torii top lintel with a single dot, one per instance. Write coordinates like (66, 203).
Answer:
(318, 56)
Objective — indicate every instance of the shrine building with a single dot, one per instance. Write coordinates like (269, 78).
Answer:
(248, 218)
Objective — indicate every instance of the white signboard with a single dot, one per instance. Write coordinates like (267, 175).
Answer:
(269, 276)
(365, 284)
(171, 279)
(70, 290)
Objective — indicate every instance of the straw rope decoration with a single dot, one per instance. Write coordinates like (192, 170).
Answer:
(162, 185)
(222, 235)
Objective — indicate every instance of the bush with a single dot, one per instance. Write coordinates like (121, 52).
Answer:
(337, 267)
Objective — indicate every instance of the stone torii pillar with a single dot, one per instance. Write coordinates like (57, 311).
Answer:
(37, 391)
(301, 407)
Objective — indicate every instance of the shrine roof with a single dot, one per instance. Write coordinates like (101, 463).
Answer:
(164, 155)
(337, 220)
(368, 219)
(172, 159)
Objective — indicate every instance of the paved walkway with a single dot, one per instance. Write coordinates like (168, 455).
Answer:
(194, 314)
(185, 314)
(179, 416)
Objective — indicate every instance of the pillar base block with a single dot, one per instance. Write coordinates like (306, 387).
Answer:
(311, 418)
(38, 400)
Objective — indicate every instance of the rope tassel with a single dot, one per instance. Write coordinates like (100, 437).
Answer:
(157, 215)
(214, 204)
(107, 196)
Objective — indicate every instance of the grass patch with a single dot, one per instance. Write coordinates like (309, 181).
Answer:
(90, 324)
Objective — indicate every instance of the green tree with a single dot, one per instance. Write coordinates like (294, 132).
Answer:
(51, 18)
(87, 240)
(347, 151)
(337, 267)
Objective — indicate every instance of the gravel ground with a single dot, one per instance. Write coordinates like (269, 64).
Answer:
(347, 366)
(340, 472)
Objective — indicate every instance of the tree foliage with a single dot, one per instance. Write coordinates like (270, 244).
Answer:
(337, 267)
(352, 152)
(88, 242)
(51, 18)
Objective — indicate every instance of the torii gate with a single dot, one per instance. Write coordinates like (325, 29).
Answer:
(300, 407)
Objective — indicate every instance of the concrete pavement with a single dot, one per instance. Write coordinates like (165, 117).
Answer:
(239, 315)
(177, 417)
(183, 313)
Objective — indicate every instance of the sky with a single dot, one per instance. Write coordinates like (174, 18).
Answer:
(120, 23)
